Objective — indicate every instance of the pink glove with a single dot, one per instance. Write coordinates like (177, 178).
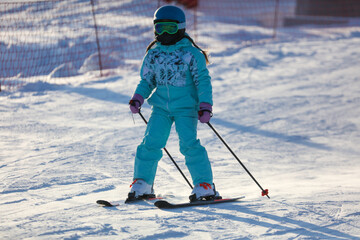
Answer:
(135, 103)
(205, 112)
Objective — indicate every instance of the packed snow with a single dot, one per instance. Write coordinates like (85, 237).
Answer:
(288, 108)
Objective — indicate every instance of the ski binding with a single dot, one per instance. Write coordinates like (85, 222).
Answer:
(131, 197)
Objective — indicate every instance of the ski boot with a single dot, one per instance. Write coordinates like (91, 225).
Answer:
(204, 191)
(140, 190)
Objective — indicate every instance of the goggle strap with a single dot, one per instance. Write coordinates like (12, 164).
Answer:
(181, 25)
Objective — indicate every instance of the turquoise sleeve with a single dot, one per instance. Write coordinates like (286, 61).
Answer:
(201, 78)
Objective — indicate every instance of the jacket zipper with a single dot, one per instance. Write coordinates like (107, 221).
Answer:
(167, 88)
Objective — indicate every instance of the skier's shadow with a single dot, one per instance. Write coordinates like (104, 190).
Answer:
(278, 224)
(297, 139)
(102, 94)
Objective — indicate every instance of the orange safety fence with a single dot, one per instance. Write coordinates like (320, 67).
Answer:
(51, 39)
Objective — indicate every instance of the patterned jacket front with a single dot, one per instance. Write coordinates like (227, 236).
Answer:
(179, 76)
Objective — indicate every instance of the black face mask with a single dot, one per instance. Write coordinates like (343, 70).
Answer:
(170, 39)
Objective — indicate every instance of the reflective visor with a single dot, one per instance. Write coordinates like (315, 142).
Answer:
(169, 27)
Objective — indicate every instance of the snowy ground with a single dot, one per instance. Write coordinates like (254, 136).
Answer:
(289, 109)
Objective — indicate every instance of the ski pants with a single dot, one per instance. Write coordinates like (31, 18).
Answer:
(149, 152)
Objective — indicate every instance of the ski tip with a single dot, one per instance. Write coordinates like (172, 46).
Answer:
(162, 204)
(105, 203)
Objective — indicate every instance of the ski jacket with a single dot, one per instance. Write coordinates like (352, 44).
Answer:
(179, 75)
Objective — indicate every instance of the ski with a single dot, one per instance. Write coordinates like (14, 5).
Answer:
(162, 204)
(131, 199)
(105, 203)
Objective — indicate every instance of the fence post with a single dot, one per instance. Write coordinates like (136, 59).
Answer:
(97, 36)
(195, 23)
(276, 17)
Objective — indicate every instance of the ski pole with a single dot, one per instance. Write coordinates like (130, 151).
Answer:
(170, 156)
(263, 192)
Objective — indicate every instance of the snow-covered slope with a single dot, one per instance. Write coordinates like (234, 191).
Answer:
(289, 109)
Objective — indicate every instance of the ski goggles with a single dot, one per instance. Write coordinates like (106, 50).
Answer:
(169, 27)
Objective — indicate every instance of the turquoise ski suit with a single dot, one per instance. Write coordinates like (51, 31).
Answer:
(178, 79)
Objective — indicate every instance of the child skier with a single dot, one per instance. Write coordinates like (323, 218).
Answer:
(174, 67)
